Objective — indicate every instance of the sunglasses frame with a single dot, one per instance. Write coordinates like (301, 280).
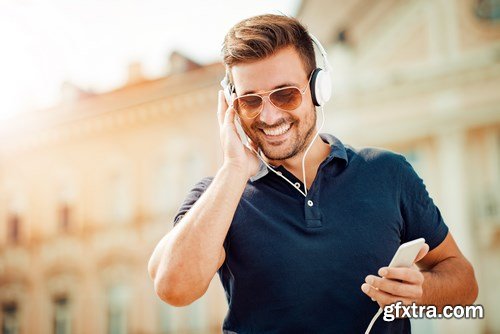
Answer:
(268, 93)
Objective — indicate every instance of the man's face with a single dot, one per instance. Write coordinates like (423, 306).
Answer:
(284, 68)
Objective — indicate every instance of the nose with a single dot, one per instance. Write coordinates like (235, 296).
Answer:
(269, 114)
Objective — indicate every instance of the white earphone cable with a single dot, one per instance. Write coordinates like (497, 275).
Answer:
(310, 145)
(372, 322)
(304, 193)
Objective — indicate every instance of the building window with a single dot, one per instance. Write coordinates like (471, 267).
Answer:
(62, 315)
(13, 226)
(117, 309)
(64, 217)
(10, 319)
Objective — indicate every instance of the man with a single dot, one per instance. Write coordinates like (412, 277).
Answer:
(295, 264)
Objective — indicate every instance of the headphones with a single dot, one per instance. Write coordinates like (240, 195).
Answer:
(320, 84)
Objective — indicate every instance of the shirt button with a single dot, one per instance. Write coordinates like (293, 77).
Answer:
(310, 203)
(297, 185)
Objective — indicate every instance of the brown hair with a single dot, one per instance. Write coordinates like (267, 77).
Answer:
(260, 36)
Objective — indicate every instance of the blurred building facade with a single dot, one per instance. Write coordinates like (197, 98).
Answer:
(422, 77)
(88, 188)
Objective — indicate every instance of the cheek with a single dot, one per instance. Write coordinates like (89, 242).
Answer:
(304, 117)
(310, 116)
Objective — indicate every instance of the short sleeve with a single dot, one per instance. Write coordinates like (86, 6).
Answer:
(191, 198)
(422, 218)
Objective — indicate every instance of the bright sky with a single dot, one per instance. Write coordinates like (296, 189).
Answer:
(91, 42)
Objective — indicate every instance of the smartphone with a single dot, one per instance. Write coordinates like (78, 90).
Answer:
(407, 253)
(404, 257)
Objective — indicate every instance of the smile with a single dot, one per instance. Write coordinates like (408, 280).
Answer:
(277, 131)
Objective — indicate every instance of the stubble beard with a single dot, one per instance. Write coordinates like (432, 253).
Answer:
(298, 145)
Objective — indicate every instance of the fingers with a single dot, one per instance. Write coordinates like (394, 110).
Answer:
(408, 275)
(395, 288)
(229, 117)
(423, 252)
(396, 284)
(382, 298)
(221, 107)
(225, 114)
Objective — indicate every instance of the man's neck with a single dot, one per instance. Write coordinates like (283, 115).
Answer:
(316, 155)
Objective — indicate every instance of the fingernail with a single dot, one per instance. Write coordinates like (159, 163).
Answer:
(382, 272)
(365, 288)
(369, 280)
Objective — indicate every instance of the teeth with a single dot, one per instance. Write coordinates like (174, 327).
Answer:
(278, 130)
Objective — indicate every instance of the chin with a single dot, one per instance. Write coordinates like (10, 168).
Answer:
(276, 153)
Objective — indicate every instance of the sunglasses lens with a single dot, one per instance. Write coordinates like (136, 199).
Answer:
(286, 98)
(248, 106)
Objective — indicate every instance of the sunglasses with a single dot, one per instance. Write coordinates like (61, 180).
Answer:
(286, 98)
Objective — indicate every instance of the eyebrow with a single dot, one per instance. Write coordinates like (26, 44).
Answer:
(287, 84)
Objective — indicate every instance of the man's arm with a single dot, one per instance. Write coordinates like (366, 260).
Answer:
(443, 277)
(448, 276)
(186, 259)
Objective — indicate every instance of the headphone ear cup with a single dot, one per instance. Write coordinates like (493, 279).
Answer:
(321, 87)
(313, 85)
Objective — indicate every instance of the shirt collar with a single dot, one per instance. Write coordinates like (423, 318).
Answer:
(337, 150)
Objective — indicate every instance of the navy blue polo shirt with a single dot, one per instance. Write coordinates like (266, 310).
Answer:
(296, 264)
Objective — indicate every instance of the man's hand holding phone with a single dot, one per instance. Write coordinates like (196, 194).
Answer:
(235, 153)
(398, 283)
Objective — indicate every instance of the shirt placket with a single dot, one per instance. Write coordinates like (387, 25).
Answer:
(312, 213)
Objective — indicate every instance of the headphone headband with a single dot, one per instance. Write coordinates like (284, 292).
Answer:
(321, 49)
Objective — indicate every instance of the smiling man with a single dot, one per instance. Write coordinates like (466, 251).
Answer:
(296, 257)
